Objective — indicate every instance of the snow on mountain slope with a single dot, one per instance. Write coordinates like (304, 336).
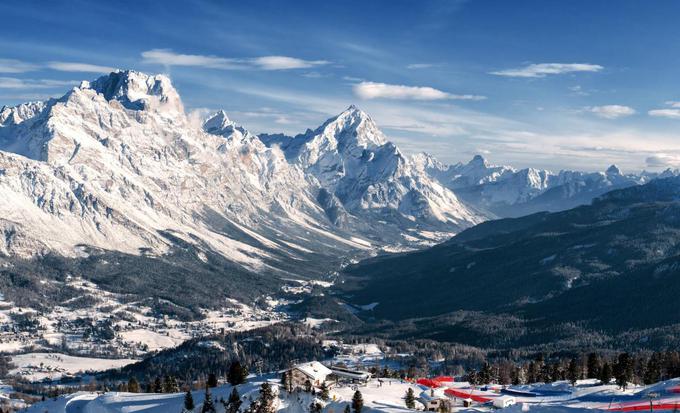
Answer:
(476, 172)
(506, 192)
(116, 164)
(368, 176)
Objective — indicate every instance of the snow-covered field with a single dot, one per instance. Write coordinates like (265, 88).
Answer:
(387, 395)
(39, 366)
(387, 398)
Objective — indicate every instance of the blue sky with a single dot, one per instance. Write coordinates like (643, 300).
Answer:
(550, 84)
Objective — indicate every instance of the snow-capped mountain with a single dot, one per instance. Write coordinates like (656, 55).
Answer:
(504, 191)
(476, 172)
(117, 165)
(367, 176)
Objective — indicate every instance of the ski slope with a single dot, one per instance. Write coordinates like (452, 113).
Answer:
(387, 395)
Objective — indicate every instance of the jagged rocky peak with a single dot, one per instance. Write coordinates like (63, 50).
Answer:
(17, 114)
(137, 91)
(220, 124)
(424, 161)
(352, 127)
(217, 123)
(613, 170)
(478, 160)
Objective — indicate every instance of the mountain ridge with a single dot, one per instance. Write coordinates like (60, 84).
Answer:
(608, 268)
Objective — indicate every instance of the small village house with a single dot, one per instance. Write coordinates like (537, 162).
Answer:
(313, 372)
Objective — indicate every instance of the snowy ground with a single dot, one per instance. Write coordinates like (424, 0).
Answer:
(387, 398)
(387, 395)
(39, 366)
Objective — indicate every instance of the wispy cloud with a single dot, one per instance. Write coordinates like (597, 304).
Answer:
(545, 69)
(665, 113)
(663, 160)
(671, 113)
(79, 67)
(167, 57)
(611, 111)
(284, 63)
(15, 83)
(373, 90)
(16, 66)
(420, 65)
(578, 91)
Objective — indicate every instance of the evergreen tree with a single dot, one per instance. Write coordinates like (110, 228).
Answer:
(357, 402)
(573, 372)
(158, 385)
(593, 366)
(486, 374)
(170, 385)
(347, 409)
(237, 373)
(188, 402)
(532, 374)
(606, 373)
(539, 368)
(653, 369)
(234, 402)
(472, 377)
(555, 372)
(623, 371)
(208, 404)
(212, 380)
(315, 407)
(266, 401)
(133, 385)
(324, 392)
(410, 399)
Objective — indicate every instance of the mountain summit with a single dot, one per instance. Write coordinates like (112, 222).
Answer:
(138, 91)
(370, 177)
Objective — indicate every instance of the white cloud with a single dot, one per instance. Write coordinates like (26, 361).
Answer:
(285, 63)
(611, 111)
(665, 113)
(169, 58)
(16, 66)
(661, 160)
(373, 90)
(420, 66)
(672, 113)
(15, 83)
(79, 67)
(544, 69)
